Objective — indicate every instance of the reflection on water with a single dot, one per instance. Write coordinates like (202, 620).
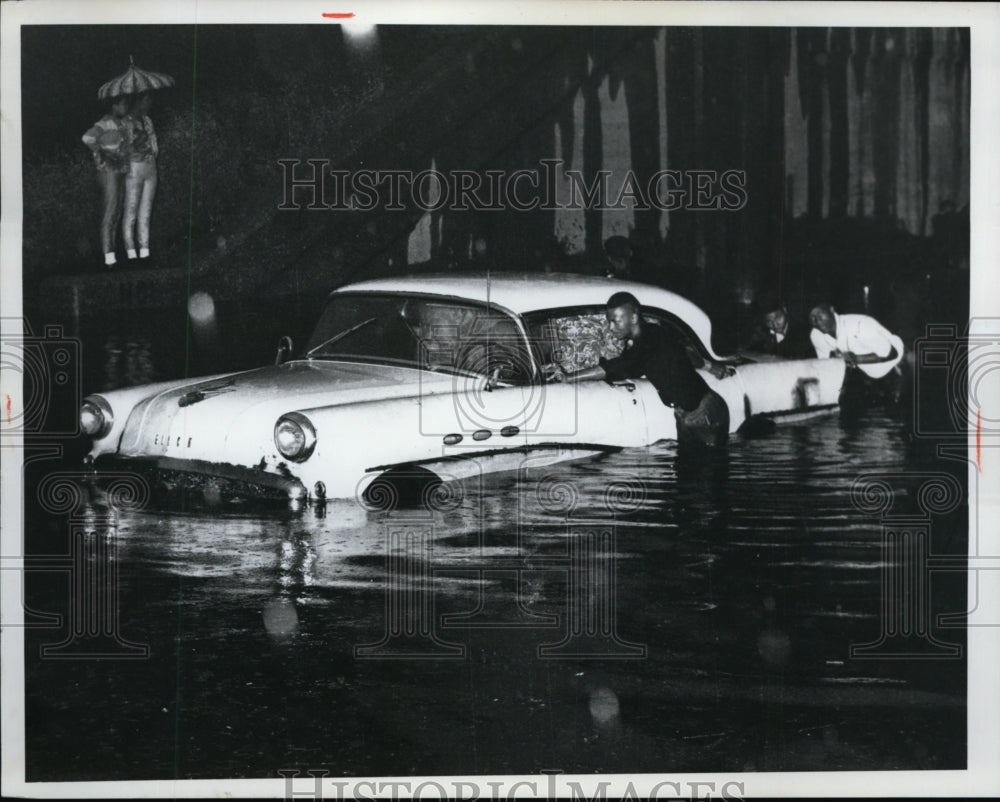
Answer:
(633, 613)
(131, 348)
(127, 361)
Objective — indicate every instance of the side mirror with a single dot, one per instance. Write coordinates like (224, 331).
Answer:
(284, 350)
(492, 381)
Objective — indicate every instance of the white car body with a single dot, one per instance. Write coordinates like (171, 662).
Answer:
(374, 417)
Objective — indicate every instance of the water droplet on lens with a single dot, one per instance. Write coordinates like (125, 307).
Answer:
(603, 705)
(774, 647)
(280, 617)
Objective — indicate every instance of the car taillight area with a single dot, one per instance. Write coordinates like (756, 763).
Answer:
(294, 437)
(96, 417)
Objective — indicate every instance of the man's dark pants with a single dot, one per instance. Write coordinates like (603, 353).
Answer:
(705, 425)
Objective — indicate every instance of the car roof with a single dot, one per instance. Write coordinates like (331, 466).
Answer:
(522, 293)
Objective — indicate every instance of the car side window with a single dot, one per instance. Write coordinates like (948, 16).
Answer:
(479, 341)
(575, 339)
(419, 331)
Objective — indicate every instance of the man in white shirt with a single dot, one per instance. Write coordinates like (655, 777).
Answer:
(860, 340)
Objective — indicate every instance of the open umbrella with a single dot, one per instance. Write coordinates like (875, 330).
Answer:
(134, 81)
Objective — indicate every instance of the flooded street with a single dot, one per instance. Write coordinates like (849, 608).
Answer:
(620, 615)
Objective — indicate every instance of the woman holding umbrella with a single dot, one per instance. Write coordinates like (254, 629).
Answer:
(106, 140)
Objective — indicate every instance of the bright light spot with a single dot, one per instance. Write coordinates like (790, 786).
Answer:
(359, 32)
(603, 705)
(280, 617)
(201, 308)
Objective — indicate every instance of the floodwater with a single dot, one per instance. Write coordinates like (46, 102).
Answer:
(628, 614)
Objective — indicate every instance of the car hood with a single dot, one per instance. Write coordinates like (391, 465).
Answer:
(298, 382)
(224, 411)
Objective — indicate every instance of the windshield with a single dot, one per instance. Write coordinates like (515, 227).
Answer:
(429, 333)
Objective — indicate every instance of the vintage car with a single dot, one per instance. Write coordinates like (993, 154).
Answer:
(435, 377)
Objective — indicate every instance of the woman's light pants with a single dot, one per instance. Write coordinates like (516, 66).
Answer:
(140, 189)
(111, 184)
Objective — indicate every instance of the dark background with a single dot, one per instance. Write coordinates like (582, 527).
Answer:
(838, 199)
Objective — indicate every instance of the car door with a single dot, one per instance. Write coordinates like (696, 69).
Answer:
(589, 412)
(493, 379)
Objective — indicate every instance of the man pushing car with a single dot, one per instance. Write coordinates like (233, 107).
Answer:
(651, 352)
(872, 353)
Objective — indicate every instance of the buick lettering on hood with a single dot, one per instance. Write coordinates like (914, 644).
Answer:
(416, 380)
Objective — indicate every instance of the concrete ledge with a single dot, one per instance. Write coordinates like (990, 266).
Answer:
(113, 289)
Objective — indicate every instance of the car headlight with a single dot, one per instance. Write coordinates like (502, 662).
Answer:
(96, 418)
(294, 437)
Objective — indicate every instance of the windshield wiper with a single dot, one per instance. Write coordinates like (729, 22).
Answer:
(340, 336)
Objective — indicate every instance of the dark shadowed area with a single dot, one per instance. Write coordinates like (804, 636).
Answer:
(853, 142)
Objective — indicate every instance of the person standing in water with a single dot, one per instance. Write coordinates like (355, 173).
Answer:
(871, 352)
(701, 414)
